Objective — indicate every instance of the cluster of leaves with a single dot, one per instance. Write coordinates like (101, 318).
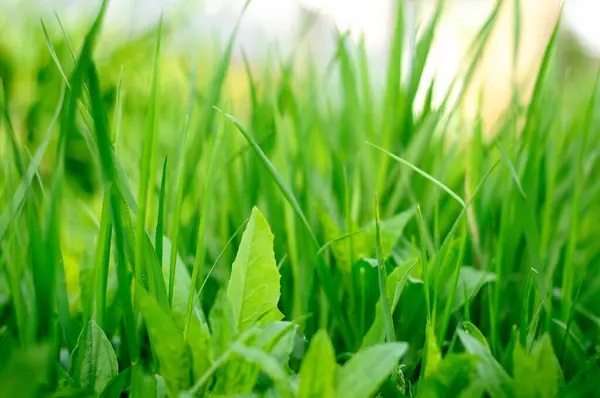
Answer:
(416, 292)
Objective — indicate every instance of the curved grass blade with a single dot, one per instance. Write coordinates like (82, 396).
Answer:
(421, 172)
(511, 168)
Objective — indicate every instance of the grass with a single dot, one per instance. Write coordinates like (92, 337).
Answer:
(301, 243)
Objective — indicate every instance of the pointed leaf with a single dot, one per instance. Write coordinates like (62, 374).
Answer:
(254, 285)
(491, 375)
(94, 362)
(450, 378)
(317, 372)
(433, 354)
(362, 375)
(395, 284)
(538, 373)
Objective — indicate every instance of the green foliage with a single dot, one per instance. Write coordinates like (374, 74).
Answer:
(473, 259)
(318, 370)
(363, 373)
(93, 361)
(253, 288)
(537, 373)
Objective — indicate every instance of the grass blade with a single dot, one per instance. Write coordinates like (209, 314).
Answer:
(198, 270)
(421, 172)
(382, 274)
(158, 240)
(148, 150)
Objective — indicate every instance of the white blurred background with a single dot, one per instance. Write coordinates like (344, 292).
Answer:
(277, 23)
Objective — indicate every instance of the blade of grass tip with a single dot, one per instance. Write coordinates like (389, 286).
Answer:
(212, 98)
(536, 95)
(393, 90)
(53, 53)
(382, 274)
(198, 269)
(158, 240)
(19, 194)
(421, 54)
(327, 282)
(425, 270)
(517, 20)
(281, 262)
(511, 168)
(339, 239)
(176, 215)
(118, 115)
(11, 133)
(145, 188)
(477, 46)
(64, 32)
(108, 172)
(421, 172)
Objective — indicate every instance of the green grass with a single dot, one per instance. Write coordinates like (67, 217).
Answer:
(299, 243)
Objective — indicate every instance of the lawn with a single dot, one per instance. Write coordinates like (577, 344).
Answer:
(193, 226)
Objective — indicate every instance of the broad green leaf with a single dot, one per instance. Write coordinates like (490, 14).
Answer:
(317, 372)
(167, 343)
(362, 375)
(253, 288)
(395, 284)
(491, 375)
(452, 375)
(473, 331)
(433, 354)
(536, 374)
(93, 362)
(470, 280)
